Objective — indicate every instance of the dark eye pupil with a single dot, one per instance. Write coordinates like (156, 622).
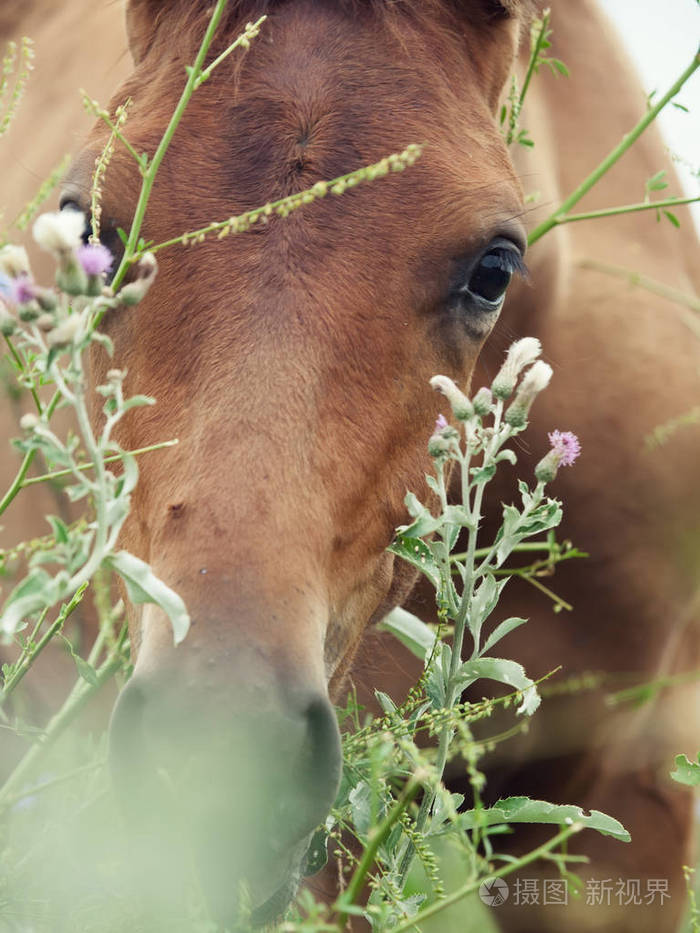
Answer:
(492, 275)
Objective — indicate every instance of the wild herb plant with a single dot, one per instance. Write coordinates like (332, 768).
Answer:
(386, 768)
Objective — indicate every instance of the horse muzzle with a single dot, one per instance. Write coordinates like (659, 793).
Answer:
(222, 786)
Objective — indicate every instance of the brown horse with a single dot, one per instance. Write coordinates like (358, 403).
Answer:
(293, 361)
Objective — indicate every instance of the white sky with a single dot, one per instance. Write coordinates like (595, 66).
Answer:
(662, 37)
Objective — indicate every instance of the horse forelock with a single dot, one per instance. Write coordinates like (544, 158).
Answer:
(191, 16)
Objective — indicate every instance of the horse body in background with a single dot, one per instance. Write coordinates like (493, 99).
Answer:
(293, 364)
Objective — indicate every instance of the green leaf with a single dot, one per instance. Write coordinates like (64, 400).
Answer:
(505, 672)
(316, 857)
(86, 671)
(417, 553)
(143, 586)
(413, 505)
(501, 630)
(360, 798)
(385, 701)
(481, 475)
(137, 401)
(670, 216)
(657, 182)
(59, 529)
(524, 810)
(410, 631)
(484, 601)
(687, 772)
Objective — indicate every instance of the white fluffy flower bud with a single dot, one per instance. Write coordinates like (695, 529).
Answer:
(14, 261)
(462, 408)
(59, 232)
(65, 333)
(520, 354)
(28, 422)
(536, 379)
(145, 272)
(482, 402)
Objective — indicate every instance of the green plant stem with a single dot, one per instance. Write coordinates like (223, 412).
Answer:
(557, 600)
(472, 886)
(627, 209)
(206, 74)
(78, 697)
(58, 474)
(18, 360)
(150, 175)
(558, 216)
(534, 56)
(54, 782)
(642, 281)
(24, 665)
(352, 892)
(458, 638)
(289, 203)
(27, 461)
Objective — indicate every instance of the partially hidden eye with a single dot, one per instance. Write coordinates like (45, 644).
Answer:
(492, 274)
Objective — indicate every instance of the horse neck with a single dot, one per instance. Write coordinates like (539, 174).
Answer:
(575, 122)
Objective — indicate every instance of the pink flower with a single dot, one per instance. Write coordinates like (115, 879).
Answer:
(566, 446)
(22, 290)
(94, 258)
(440, 424)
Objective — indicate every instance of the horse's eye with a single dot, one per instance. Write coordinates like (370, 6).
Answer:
(491, 276)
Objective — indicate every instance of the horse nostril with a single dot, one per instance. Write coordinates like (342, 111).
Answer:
(129, 758)
(325, 759)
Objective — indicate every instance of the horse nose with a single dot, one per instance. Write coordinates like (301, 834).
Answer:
(268, 771)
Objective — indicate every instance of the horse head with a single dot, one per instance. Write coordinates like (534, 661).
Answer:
(292, 362)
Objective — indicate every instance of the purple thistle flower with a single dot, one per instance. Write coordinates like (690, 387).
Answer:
(440, 424)
(94, 258)
(566, 445)
(22, 290)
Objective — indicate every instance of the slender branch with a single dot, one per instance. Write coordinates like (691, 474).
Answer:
(24, 665)
(27, 461)
(352, 892)
(78, 697)
(20, 363)
(58, 474)
(614, 155)
(626, 209)
(242, 40)
(154, 164)
(651, 285)
(472, 886)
